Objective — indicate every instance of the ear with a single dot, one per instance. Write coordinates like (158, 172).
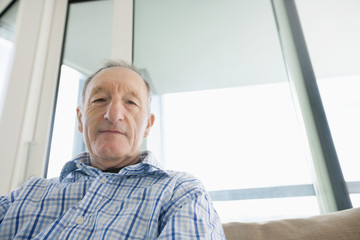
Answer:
(79, 116)
(150, 122)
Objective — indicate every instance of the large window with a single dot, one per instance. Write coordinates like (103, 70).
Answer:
(225, 111)
(224, 108)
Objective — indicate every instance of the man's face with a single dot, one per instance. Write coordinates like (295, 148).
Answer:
(114, 118)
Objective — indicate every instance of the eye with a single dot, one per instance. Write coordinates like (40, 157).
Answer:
(99, 100)
(131, 102)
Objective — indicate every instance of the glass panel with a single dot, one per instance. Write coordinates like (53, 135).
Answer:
(266, 209)
(333, 44)
(223, 101)
(7, 30)
(253, 129)
(87, 44)
(64, 124)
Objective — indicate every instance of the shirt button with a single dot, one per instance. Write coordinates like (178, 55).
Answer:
(78, 165)
(104, 180)
(79, 220)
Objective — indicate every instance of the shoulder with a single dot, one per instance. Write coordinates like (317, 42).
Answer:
(190, 209)
(36, 185)
(185, 188)
(38, 181)
(35, 182)
(33, 187)
(184, 180)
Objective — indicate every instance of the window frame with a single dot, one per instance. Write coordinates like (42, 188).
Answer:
(328, 178)
(25, 123)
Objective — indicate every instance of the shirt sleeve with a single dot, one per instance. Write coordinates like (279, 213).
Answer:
(6, 201)
(191, 216)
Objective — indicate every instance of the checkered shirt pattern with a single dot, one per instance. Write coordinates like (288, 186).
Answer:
(142, 201)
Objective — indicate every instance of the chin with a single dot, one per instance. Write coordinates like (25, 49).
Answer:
(112, 154)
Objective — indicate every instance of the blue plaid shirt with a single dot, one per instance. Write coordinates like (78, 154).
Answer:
(142, 201)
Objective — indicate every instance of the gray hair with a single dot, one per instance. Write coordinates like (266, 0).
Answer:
(117, 63)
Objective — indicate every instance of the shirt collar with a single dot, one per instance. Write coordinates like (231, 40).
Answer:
(148, 164)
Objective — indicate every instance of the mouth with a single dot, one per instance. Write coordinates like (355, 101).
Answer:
(110, 131)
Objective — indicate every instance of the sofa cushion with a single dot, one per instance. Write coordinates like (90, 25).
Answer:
(333, 226)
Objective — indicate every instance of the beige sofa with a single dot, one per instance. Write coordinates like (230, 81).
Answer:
(333, 226)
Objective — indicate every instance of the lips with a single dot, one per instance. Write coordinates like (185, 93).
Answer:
(112, 131)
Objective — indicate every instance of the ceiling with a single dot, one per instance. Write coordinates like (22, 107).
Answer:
(332, 33)
(88, 35)
(193, 45)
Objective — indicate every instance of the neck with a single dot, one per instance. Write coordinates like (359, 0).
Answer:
(108, 164)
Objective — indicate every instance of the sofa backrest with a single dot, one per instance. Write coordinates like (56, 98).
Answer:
(333, 226)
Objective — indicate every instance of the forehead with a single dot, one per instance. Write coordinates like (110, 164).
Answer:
(117, 78)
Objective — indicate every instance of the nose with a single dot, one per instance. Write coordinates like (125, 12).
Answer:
(114, 112)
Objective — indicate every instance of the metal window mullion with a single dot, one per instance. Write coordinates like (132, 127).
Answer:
(51, 41)
(329, 181)
(303, 190)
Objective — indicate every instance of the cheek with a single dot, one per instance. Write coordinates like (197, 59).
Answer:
(89, 127)
(140, 128)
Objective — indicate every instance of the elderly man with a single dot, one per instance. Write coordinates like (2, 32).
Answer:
(114, 191)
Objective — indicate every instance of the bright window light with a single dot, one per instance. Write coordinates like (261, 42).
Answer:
(239, 138)
(235, 138)
(65, 121)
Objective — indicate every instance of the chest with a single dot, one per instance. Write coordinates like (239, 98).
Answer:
(100, 208)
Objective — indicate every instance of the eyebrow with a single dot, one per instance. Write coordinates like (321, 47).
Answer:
(96, 90)
(134, 94)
